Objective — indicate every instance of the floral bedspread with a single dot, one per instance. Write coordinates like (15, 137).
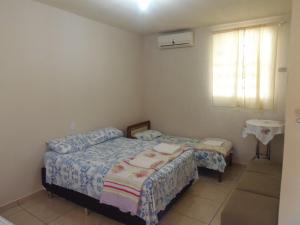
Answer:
(84, 172)
(207, 159)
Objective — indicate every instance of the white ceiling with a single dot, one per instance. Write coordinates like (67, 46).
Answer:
(165, 15)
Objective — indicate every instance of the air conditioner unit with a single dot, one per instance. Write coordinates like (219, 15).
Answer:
(176, 40)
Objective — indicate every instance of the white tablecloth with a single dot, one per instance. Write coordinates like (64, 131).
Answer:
(264, 130)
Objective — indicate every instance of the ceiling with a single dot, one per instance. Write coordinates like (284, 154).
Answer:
(166, 15)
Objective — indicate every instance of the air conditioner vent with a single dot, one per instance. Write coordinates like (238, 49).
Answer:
(176, 40)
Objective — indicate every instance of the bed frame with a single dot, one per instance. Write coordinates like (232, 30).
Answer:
(132, 129)
(89, 203)
(143, 126)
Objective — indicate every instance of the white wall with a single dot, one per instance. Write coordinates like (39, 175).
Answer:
(55, 68)
(178, 95)
(289, 213)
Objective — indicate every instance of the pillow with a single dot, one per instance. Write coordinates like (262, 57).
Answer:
(147, 135)
(102, 135)
(95, 137)
(112, 133)
(68, 144)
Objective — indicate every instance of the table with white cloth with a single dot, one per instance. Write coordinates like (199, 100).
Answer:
(264, 131)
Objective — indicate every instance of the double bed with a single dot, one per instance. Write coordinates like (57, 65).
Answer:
(209, 159)
(79, 176)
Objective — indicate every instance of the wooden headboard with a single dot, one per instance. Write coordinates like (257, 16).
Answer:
(132, 129)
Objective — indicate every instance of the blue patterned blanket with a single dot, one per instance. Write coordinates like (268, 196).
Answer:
(207, 159)
(84, 172)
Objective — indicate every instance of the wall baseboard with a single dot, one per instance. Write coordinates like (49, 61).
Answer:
(20, 200)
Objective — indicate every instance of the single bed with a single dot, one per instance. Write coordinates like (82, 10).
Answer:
(79, 176)
(205, 159)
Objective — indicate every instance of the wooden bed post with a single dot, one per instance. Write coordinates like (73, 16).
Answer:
(130, 129)
(86, 211)
(50, 194)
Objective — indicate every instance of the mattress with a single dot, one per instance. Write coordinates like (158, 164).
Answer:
(84, 172)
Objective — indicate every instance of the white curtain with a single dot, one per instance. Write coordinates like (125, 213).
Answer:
(244, 62)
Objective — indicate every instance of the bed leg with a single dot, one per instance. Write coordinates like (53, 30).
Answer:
(86, 211)
(230, 160)
(220, 176)
(50, 194)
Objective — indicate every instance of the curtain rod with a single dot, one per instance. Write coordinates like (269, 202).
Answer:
(247, 25)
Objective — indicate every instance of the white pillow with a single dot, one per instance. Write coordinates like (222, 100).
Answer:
(102, 135)
(147, 135)
(69, 144)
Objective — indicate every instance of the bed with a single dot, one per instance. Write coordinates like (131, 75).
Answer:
(211, 160)
(79, 177)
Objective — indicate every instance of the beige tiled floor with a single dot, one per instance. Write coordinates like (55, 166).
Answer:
(201, 204)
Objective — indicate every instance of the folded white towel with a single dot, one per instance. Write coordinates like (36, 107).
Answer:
(217, 143)
(143, 161)
(166, 148)
(4, 221)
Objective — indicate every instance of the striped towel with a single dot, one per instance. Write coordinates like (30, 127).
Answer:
(124, 182)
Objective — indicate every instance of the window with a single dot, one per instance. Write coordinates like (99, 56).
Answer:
(244, 67)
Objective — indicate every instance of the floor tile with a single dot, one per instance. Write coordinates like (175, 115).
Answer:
(202, 204)
(10, 211)
(174, 218)
(113, 222)
(230, 178)
(78, 217)
(24, 218)
(45, 208)
(197, 208)
(234, 172)
(8, 206)
(34, 195)
(209, 191)
(216, 220)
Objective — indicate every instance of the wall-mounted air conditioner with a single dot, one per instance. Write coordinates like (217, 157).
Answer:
(176, 40)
